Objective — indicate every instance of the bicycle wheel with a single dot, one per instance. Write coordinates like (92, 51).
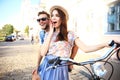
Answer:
(118, 54)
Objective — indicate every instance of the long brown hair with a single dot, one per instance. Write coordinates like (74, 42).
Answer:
(63, 27)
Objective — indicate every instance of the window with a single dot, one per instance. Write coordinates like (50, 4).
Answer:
(113, 19)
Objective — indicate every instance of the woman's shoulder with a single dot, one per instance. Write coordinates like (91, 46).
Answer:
(72, 34)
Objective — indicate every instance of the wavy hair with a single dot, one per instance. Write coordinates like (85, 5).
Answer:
(63, 26)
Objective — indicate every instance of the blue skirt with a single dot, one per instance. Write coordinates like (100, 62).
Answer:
(59, 73)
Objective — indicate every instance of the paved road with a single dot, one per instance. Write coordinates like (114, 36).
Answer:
(18, 59)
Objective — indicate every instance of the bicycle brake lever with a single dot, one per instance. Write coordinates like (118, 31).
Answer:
(111, 43)
(51, 67)
(52, 61)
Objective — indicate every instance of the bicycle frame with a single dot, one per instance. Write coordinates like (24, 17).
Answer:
(115, 47)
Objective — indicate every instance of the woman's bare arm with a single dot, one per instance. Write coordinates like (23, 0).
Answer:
(88, 48)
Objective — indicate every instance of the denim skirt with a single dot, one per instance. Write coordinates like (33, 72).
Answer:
(59, 73)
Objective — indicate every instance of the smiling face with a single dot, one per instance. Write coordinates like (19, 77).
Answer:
(43, 20)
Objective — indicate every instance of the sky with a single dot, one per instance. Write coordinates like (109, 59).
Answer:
(10, 10)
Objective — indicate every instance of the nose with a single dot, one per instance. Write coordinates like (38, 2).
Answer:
(53, 19)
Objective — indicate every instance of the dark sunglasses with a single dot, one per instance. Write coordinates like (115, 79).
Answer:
(43, 19)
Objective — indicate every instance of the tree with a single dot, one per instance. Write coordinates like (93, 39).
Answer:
(27, 30)
(8, 29)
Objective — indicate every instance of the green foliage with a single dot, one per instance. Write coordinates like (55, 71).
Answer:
(8, 29)
(27, 30)
(2, 33)
(2, 38)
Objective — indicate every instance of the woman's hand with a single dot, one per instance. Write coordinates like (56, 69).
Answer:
(70, 67)
(35, 75)
(51, 25)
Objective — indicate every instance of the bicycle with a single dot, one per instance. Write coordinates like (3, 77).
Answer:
(118, 55)
(97, 71)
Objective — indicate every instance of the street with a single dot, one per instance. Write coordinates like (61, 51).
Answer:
(19, 58)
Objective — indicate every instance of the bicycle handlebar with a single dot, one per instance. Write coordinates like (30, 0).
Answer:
(57, 60)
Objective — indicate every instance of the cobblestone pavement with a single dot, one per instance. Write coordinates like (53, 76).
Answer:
(18, 61)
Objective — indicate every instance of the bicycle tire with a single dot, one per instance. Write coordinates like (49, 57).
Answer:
(118, 54)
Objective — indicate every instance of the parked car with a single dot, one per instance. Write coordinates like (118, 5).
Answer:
(10, 38)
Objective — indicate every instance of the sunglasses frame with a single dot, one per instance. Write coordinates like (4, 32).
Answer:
(43, 19)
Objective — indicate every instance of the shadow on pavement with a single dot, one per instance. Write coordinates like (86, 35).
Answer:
(19, 74)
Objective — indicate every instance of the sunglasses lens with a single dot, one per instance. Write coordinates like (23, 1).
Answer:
(38, 20)
(43, 19)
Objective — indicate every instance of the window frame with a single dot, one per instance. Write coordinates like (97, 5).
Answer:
(109, 30)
